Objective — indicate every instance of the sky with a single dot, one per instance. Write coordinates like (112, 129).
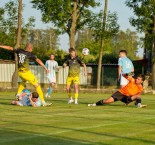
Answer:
(124, 13)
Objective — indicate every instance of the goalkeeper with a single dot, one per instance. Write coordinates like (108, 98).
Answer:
(127, 94)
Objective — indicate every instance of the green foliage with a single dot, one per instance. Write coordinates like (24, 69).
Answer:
(6, 54)
(127, 40)
(44, 41)
(9, 24)
(111, 26)
(145, 11)
(59, 12)
(43, 54)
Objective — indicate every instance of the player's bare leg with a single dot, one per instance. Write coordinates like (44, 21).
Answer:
(76, 88)
(69, 94)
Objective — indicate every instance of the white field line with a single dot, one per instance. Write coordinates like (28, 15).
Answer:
(33, 135)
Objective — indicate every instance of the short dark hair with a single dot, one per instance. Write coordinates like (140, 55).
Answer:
(28, 45)
(142, 77)
(124, 51)
(71, 49)
(35, 95)
(52, 54)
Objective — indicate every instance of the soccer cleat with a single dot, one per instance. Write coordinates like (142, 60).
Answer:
(47, 96)
(17, 97)
(139, 105)
(45, 104)
(126, 104)
(70, 101)
(92, 105)
(76, 101)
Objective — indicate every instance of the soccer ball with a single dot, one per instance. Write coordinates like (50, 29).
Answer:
(85, 51)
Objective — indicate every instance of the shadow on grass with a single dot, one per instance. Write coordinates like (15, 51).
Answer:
(12, 136)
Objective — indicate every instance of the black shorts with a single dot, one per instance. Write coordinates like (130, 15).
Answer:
(120, 97)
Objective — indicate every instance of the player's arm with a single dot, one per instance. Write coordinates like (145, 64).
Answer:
(65, 63)
(22, 95)
(6, 47)
(134, 97)
(133, 69)
(46, 64)
(128, 77)
(42, 64)
(57, 67)
(85, 69)
(31, 102)
(119, 71)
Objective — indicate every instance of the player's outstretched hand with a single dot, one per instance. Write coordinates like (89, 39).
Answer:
(85, 73)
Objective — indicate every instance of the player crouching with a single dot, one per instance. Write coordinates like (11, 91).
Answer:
(127, 94)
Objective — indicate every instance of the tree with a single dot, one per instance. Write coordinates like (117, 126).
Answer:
(127, 40)
(102, 45)
(104, 26)
(9, 25)
(67, 15)
(11, 29)
(18, 41)
(145, 22)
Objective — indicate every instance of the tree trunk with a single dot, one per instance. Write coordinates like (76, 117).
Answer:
(15, 75)
(102, 46)
(73, 25)
(153, 56)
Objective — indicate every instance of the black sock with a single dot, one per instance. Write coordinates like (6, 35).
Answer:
(99, 103)
(138, 100)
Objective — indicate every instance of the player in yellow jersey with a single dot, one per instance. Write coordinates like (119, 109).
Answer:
(24, 56)
(74, 63)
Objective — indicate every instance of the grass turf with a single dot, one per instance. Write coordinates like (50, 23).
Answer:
(63, 124)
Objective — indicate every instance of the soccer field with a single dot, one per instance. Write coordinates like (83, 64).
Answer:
(63, 124)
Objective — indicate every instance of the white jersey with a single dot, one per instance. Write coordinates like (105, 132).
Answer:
(51, 66)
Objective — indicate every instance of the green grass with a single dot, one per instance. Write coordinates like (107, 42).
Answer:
(63, 124)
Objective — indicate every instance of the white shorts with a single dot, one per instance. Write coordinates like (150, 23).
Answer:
(51, 78)
(123, 81)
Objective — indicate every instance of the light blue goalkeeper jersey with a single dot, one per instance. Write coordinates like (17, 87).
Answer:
(51, 66)
(126, 65)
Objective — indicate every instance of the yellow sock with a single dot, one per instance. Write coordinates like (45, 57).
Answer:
(21, 87)
(39, 91)
(76, 95)
(69, 95)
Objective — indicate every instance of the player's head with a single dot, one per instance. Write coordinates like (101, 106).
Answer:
(29, 47)
(52, 56)
(72, 52)
(35, 95)
(122, 53)
(140, 78)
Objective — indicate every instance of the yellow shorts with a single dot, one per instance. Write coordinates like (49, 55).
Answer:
(75, 80)
(28, 76)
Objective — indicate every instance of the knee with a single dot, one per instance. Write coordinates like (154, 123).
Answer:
(68, 88)
(36, 85)
(52, 84)
(76, 86)
(13, 102)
